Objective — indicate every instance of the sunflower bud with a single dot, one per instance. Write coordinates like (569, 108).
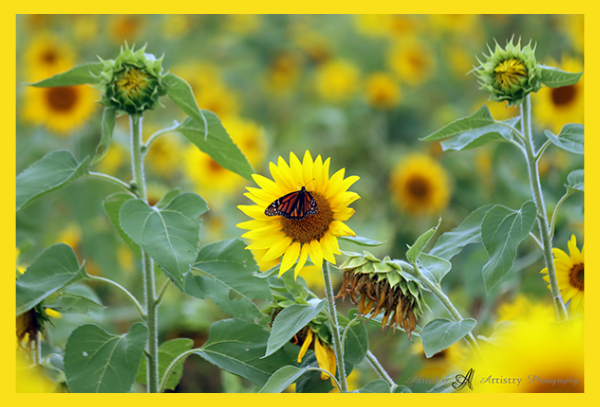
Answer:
(510, 74)
(30, 323)
(382, 286)
(133, 82)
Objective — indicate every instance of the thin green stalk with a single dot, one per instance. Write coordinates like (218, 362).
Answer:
(542, 149)
(537, 241)
(356, 318)
(152, 139)
(335, 381)
(147, 264)
(124, 291)
(112, 180)
(555, 214)
(36, 353)
(380, 370)
(538, 197)
(174, 363)
(337, 343)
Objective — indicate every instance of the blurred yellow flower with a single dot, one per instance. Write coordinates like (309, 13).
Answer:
(460, 60)
(412, 61)
(242, 23)
(175, 25)
(47, 55)
(315, 235)
(382, 90)
(115, 157)
(442, 363)
(31, 379)
(463, 25)
(125, 27)
(71, 235)
(569, 274)
(283, 73)
(555, 107)
(209, 177)
(533, 357)
(164, 155)
(573, 26)
(522, 309)
(420, 185)
(61, 110)
(406, 25)
(218, 99)
(499, 111)
(374, 25)
(85, 28)
(316, 45)
(249, 137)
(337, 80)
(125, 258)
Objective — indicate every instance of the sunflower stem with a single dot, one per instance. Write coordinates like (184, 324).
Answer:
(123, 290)
(337, 343)
(112, 180)
(555, 214)
(538, 198)
(380, 370)
(147, 264)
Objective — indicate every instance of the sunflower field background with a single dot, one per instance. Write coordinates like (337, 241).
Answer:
(361, 90)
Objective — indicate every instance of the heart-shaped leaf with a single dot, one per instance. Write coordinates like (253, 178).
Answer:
(441, 333)
(79, 75)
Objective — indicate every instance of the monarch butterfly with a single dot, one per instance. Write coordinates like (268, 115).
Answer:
(296, 205)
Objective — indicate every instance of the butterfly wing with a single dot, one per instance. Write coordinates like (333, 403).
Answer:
(296, 205)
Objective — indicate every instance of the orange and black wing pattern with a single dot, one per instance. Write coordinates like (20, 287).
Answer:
(296, 205)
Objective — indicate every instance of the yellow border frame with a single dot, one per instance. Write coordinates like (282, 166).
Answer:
(7, 163)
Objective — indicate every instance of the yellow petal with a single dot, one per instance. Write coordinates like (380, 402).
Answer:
(341, 186)
(263, 232)
(324, 359)
(266, 243)
(327, 250)
(307, 169)
(290, 256)
(268, 185)
(344, 214)
(301, 260)
(282, 176)
(254, 211)
(335, 184)
(296, 169)
(261, 194)
(316, 254)
(576, 256)
(338, 228)
(252, 224)
(278, 249)
(305, 345)
(318, 173)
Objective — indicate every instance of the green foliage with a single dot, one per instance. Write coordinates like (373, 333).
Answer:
(468, 232)
(362, 241)
(108, 126)
(53, 269)
(575, 181)
(167, 353)
(482, 136)
(55, 170)
(481, 119)
(289, 321)
(413, 253)
(502, 230)
(441, 333)
(169, 235)
(180, 92)
(112, 206)
(376, 386)
(556, 78)
(79, 75)
(434, 268)
(357, 341)
(217, 144)
(78, 298)
(99, 362)
(229, 278)
(282, 378)
(570, 138)
(238, 346)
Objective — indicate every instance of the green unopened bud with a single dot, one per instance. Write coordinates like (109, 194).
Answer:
(381, 286)
(510, 74)
(133, 82)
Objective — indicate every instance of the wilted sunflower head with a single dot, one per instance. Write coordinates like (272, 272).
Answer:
(381, 286)
(30, 323)
(132, 83)
(510, 74)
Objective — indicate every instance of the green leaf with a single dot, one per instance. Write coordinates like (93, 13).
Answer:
(99, 362)
(229, 278)
(468, 232)
(112, 206)
(441, 333)
(54, 268)
(282, 378)
(556, 78)
(238, 346)
(481, 136)
(575, 181)
(79, 75)
(217, 144)
(180, 92)
(53, 171)
(502, 334)
(168, 198)
(311, 382)
(357, 343)
(167, 353)
(570, 138)
(479, 119)
(289, 321)
(434, 268)
(108, 126)
(362, 241)
(502, 230)
(170, 235)
(376, 386)
(75, 298)
(413, 253)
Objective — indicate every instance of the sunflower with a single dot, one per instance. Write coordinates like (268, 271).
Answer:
(315, 235)
(569, 274)
(555, 107)
(374, 25)
(61, 109)
(47, 55)
(337, 80)
(125, 27)
(523, 309)
(412, 61)
(283, 73)
(382, 90)
(249, 137)
(164, 154)
(209, 177)
(420, 185)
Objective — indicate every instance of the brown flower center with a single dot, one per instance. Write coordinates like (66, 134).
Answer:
(49, 57)
(214, 167)
(418, 187)
(62, 99)
(576, 276)
(563, 96)
(313, 227)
